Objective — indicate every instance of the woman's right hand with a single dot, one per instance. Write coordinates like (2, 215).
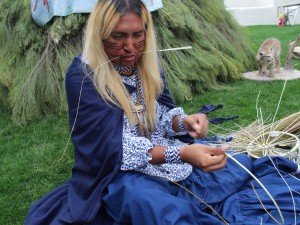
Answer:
(204, 157)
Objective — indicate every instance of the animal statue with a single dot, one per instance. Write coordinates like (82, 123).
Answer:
(269, 55)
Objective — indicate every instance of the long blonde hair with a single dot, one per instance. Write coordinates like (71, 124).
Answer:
(101, 23)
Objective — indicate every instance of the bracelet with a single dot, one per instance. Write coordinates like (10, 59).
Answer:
(171, 154)
(180, 123)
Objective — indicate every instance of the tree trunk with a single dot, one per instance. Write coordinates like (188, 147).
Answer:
(292, 45)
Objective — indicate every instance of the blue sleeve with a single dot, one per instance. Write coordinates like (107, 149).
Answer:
(96, 132)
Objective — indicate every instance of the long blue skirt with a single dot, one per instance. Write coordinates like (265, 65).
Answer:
(139, 199)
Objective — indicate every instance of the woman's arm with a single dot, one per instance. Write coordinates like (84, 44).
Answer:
(135, 151)
(204, 157)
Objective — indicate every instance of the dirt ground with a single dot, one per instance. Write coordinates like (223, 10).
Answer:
(282, 75)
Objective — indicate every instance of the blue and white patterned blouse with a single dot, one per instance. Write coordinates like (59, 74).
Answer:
(136, 154)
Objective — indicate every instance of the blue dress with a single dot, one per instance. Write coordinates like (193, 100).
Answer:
(98, 192)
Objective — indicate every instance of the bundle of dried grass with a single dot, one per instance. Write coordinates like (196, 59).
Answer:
(32, 77)
(289, 124)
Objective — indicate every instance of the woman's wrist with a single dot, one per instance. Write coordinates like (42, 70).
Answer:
(181, 127)
(182, 153)
(157, 153)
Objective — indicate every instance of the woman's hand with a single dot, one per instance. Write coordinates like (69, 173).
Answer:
(196, 125)
(204, 157)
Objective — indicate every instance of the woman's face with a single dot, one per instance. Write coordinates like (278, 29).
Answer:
(126, 41)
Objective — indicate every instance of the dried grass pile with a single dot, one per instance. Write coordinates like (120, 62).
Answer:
(33, 59)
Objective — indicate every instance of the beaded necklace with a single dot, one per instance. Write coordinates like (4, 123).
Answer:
(139, 108)
(122, 69)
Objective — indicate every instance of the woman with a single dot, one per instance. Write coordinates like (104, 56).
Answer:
(123, 123)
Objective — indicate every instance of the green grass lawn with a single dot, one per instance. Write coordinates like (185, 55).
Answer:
(241, 99)
(37, 158)
(32, 163)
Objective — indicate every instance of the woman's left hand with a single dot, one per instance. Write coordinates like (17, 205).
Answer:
(196, 125)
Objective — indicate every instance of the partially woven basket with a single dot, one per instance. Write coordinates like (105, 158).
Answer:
(260, 140)
(275, 143)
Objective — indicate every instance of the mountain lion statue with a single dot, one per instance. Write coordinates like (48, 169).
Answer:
(268, 55)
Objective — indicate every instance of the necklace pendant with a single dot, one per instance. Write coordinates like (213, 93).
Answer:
(139, 108)
(139, 111)
(142, 128)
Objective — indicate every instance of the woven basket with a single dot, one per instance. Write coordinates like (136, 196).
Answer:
(265, 145)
